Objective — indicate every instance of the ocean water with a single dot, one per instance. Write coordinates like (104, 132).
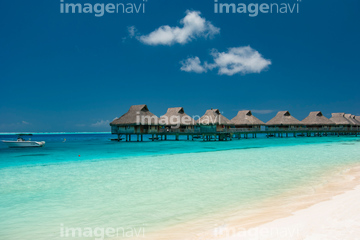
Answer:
(86, 181)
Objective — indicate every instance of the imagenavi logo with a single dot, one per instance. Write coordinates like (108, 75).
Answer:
(253, 9)
(99, 9)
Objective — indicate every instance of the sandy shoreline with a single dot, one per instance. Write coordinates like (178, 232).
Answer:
(329, 210)
(338, 217)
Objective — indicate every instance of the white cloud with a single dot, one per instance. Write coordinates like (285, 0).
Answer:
(23, 125)
(242, 60)
(193, 26)
(239, 60)
(192, 65)
(132, 31)
(101, 123)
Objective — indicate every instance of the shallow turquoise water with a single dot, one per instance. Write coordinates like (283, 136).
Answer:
(151, 184)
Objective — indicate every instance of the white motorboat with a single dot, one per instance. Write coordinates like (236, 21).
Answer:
(21, 143)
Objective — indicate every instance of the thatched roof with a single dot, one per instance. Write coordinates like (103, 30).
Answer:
(176, 116)
(357, 118)
(137, 115)
(339, 119)
(246, 118)
(352, 120)
(283, 118)
(316, 119)
(213, 117)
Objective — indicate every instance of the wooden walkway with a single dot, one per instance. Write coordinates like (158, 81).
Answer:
(230, 135)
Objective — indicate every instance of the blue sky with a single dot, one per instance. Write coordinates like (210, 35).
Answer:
(76, 72)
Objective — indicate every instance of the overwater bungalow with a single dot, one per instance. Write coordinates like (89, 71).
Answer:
(357, 121)
(213, 121)
(341, 122)
(176, 120)
(245, 120)
(138, 120)
(317, 121)
(351, 118)
(284, 121)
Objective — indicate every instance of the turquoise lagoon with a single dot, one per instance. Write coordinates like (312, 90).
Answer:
(89, 181)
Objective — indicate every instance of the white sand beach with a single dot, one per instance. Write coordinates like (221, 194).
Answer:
(337, 218)
(327, 211)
